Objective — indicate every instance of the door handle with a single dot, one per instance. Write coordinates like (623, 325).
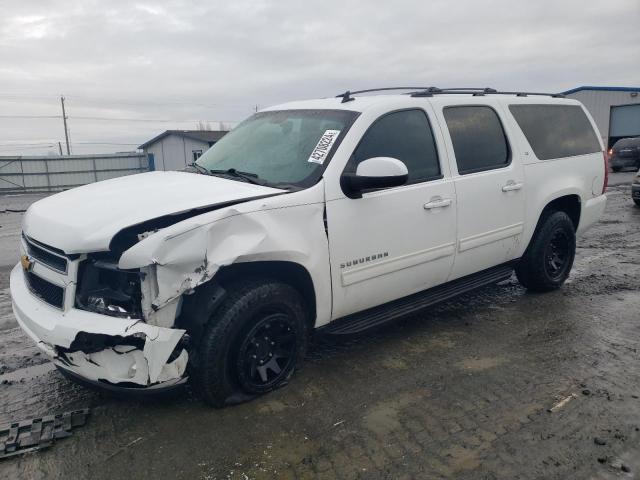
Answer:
(512, 186)
(437, 202)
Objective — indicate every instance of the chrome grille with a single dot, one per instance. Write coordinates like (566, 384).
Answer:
(45, 290)
(39, 252)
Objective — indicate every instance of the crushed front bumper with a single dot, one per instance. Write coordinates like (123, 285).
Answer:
(118, 352)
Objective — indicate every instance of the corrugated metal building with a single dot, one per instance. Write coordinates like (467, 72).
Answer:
(616, 110)
(51, 173)
(175, 149)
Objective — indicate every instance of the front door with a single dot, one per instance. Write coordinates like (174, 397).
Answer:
(396, 241)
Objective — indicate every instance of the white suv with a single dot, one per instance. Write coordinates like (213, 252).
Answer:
(341, 213)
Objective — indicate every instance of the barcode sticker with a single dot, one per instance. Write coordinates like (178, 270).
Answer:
(320, 152)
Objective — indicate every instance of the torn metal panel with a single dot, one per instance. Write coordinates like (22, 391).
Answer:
(126, 362)
(282, 228)
(123, 364)
(113, 349)
(27, 436)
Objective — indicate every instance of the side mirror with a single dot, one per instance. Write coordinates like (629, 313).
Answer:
(377, 172)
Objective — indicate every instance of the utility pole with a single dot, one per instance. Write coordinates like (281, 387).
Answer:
(60, 148)
(64, 120)
(257, 107)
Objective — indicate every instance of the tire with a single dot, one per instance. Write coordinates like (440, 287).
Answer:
(251, 320)
(616, 169)
(637, 202)
(548, 260)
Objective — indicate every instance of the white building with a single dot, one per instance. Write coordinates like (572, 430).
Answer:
(616, 110)
(175, 149)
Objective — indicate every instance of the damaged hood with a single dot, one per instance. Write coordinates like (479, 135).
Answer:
(85, 219)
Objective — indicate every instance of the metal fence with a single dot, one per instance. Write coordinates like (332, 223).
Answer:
(50, 174)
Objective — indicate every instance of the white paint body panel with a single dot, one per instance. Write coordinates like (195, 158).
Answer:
(381, 167)
(84, 219)
(490, 220)
(281, 228)
(383, 246)
(417, 244)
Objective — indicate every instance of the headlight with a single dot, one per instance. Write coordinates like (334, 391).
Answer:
(104, 288)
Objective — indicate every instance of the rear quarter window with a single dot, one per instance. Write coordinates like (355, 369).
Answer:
(556, 131)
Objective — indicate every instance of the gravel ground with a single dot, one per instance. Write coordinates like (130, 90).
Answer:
(460, 391)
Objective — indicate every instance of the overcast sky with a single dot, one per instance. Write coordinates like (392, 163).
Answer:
(168, 65)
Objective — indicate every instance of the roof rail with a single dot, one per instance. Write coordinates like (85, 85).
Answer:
(431, 91)
(479, 92)
(346, 96)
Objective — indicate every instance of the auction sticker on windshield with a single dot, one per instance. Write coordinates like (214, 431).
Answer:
(319, 153)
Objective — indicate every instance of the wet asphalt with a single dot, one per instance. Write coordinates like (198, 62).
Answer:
(462, 390)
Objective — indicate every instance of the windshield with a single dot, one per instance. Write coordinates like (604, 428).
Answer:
(279, 148)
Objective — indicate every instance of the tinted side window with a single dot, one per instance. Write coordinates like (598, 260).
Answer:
(479, 141)
(556, 131)
(405, 135)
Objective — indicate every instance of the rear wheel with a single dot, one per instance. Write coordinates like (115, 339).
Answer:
(548, 260)
(616, 169)
(252, 344)
(637, 201)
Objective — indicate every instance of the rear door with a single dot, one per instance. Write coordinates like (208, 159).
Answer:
(490, 187)
(396, 241)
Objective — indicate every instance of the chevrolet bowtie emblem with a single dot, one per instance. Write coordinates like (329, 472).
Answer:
(27, 264)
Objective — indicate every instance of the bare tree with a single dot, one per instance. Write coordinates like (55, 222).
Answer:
(204, 126)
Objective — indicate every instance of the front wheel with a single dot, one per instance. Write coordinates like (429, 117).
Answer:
(548, 260)
(252, 344)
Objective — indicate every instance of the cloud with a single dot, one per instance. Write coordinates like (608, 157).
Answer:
(185, 60)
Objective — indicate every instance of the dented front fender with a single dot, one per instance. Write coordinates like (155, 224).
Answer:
(190, 253)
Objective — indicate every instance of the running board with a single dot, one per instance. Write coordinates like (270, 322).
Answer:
(373, 317)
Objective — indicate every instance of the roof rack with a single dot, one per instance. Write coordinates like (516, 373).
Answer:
(346, 96)
(431, 91)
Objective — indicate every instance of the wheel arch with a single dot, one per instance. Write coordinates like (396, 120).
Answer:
(207, 297)
(570, 203)
(291, 273)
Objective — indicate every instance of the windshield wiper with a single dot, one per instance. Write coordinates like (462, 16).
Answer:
(246, 176)
(200, 168)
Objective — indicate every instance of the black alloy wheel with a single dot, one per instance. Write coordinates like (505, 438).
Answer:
(548, 259)
(557, 254)
(267, 353)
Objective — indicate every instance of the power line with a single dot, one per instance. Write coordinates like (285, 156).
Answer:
(50, 145)
(177, 102)
(10, 144)
(114, 119)
(150, 120)
(102, 143)
(30, 116)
